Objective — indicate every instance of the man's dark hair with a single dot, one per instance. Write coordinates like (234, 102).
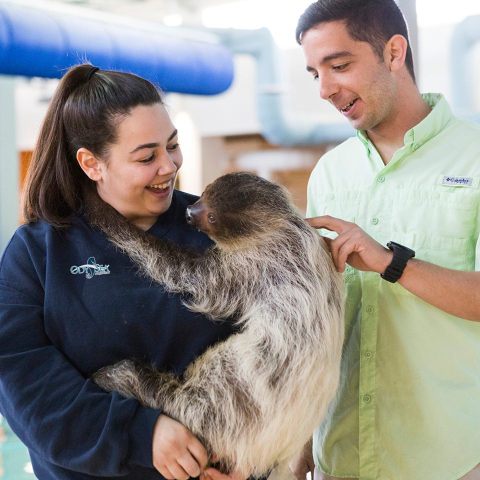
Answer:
(85, 110)
(371, 21)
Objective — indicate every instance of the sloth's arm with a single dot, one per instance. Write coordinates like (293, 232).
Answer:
(137, 380)
(179, 269)
(175, 267)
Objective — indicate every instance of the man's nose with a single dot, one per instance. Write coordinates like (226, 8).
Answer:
(327, 87)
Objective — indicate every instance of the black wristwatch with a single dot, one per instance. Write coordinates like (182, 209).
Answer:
(401, 255)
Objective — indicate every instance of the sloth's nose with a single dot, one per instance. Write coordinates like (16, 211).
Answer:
(189, 216)
(194, 213)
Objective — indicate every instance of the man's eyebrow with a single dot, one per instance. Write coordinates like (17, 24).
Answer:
(154, 144)
(173, 135)
(332, 56)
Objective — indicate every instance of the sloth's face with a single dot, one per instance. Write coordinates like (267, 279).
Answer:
(221, 224)
(201, 217)
(238, 205)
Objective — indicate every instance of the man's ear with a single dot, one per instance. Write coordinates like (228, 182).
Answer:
(395, 52)
(90, 164)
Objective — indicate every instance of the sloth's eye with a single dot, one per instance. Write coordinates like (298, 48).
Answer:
(211, 217)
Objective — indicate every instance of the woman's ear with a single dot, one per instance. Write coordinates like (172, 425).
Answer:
(90, 164)
(395, 52)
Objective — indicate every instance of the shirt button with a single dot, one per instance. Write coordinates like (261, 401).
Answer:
(368, 355)
(366, 398)
(381, 179)
(370, 309)
(375, 221)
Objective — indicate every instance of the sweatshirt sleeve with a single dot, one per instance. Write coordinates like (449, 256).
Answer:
(60, 415)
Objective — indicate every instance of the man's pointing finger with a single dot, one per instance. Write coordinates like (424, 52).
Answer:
(328, 222)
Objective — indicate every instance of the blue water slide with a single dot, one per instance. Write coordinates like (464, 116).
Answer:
(43, 43)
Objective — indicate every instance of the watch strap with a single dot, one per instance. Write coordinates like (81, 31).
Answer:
(401, 255)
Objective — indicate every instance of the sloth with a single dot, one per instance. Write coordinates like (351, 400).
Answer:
(255, 398)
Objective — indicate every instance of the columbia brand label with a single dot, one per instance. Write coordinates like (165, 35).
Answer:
(451, 181)
(90, 269)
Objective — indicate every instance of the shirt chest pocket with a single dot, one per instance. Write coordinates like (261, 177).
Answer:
(440, 223)
(446, 211)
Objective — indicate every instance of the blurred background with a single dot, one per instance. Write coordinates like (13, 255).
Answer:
(235, 82)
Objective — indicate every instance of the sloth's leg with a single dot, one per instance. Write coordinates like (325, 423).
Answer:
(133, 379)
(213, 399)
(155, 389)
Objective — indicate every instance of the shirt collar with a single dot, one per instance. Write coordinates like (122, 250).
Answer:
(428, 128)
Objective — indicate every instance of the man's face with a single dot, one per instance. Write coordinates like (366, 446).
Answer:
(350, 75)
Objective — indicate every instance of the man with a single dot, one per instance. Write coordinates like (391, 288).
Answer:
(408, 406)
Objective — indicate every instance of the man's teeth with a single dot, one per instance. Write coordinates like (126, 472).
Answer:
(160, 186)
(347, 107)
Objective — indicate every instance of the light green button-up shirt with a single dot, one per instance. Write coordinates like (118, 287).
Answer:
(408, 407)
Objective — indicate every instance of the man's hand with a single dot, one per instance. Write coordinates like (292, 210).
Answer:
(177, 453)
(353, 246)
(303, 462)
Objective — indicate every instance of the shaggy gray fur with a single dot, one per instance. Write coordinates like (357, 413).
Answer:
(255, 398)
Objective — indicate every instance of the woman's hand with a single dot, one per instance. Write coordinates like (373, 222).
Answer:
(214, 474)
(177, 453)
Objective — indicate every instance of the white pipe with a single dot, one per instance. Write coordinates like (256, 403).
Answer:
(465, 35)
(9, 164)
(279, 125)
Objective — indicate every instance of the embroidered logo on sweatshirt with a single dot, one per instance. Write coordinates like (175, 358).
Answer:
(90, 269)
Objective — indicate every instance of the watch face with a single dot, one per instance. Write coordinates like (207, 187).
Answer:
(394, 246)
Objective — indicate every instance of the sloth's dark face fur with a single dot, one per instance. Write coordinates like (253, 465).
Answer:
(239, 205)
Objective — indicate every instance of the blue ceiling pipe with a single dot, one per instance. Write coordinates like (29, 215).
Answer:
(42, 43)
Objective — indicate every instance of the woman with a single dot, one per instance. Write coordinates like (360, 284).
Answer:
(70, 303)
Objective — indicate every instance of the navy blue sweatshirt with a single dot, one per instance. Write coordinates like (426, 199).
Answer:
(70, 303)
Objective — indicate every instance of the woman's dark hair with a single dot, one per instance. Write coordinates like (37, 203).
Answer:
(84, 112)
(371, 21)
